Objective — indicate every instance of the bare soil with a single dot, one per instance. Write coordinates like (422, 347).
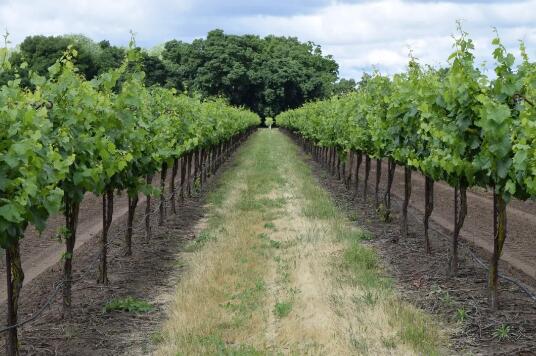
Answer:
(422, 278)
(40, 251)
(520, 246)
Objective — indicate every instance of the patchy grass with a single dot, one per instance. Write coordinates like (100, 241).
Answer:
(279, 269)
(282, 309)
(128, 304)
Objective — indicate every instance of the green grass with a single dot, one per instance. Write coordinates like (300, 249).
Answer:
(203, 237)
(128, 304)
(282, 309)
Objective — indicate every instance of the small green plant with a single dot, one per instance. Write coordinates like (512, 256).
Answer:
(200, 241)
(128, 304)
(269, 225)
(461, 315)
(263, 236)
(384, 213)
(389, 342)
(282, 309)
(502, 332)
(275, 244)
(447, 299)
(197, 185)
(369, 298)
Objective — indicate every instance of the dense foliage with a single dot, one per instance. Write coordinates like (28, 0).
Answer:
(267, 75)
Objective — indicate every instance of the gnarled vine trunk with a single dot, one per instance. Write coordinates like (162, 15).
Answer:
(107, 215)
(460, 211)
(359, 160)
(71, 213)
(499, 228)
(132, 204)
(348, 169)
(428, 208)
(378, 179)
(148, 232)
(189, 174)
(183, 177)
(162, 205)
(367, 173)
(15, 277)
(405, 204)
(173, 188)
(391, 168)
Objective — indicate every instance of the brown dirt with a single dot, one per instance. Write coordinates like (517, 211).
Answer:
(422, 278)
(148, 274)
(520, 246)
(40, 251)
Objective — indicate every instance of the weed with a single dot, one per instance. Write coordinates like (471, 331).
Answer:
(282, 309)
(270, 225)
(157, 337)
(502, 332)
(275, 244)
(389, 342)
(461, 315)
(369, 298)
(128, 304)
(203, 237)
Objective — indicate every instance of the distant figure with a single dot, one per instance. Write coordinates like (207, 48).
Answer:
(269, 122)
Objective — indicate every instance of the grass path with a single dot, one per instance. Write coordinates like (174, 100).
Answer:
(277, 269)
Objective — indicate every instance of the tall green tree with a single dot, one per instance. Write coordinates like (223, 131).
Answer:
(267, 75)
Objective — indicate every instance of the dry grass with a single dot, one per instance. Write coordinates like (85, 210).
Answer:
(279, 270)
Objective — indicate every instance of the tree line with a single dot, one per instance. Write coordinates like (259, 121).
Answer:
(268, 74)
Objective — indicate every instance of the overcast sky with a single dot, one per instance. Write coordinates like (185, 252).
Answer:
(359, 34)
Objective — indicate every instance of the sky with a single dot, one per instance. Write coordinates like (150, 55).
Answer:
(361, 35)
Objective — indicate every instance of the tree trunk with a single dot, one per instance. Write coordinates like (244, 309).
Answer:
(174, 170)
(148, 232)
(71, 213)
(15, 277)
(428, 208)
(359, 160)
(498, 243)
(348, 169)
(338, 169)
(333, 161)
(378, 179)
(107, 215)
(460, 211)
(132, 204)
(183, 177)
(189, 174)
(367, 173)
(162, 205)
(203, 166)
(391, 168)
(407, 196)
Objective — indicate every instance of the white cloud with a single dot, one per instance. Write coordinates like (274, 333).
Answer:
(380, 33)
(359, 34)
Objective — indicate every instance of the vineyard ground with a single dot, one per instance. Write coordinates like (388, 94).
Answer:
(520, 247)
(157, 268)
(422, 279)
(280, 270)
(41, 251)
